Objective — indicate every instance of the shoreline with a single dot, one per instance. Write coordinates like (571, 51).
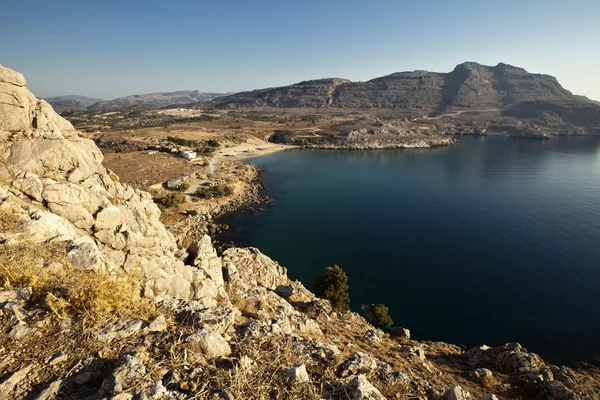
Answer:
(222, 239)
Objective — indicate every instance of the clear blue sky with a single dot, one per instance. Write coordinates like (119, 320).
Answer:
(113, 48)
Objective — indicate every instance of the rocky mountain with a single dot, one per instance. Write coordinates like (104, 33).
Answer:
(586, 99)
(469, 85)
(98, 302)
(75, 103)
(71, 102)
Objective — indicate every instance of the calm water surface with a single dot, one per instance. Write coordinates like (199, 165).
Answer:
(488, 241)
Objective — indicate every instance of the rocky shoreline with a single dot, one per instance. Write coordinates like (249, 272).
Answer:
(99, 302)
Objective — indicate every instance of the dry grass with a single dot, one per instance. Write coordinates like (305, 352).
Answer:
(66, 290)
(272, 355)
(9, 223)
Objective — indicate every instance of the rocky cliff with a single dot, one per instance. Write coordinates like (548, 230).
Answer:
(218, 327)
(470, 86)
(56, 184)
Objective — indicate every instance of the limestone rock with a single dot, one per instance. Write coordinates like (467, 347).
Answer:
(253, 266)
(456, 393)
(31, 185)
(19, 295)
(414, 351)
(555, 390)
(482, 373)
(120, 329)
(158, 325)
(20, 332)
(297, 373)
(358, 363)
(510, 358)
(51, 392)
(399, 332)
(209, 343)
(85, 254)
(46, 227)
(490, 397)
(130, 370)
(9, 387)
(359, 388)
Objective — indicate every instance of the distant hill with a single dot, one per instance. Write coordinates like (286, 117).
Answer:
(71, 102)
(469, 85)
(75, 103)
(586, 99)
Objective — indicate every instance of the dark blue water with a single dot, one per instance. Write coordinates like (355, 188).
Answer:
(488, 241)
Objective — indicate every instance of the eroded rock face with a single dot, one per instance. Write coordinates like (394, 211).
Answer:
(62, 193)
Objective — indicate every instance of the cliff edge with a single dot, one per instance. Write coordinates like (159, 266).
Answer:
(98, 302)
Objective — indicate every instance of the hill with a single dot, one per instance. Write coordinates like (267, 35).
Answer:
(99, 300)
(71, 102)
(469, 85)
(163, 99)
(586, 99)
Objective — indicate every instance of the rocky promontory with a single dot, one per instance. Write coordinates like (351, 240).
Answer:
(97, 301)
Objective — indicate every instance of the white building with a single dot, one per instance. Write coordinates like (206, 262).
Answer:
(188, 154)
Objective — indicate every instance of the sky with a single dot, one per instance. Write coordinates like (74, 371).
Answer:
(110, 48)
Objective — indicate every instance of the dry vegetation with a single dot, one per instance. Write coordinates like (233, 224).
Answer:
(67, 291)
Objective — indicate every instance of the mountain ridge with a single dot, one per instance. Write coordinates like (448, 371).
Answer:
(469, 85)
(156, 99)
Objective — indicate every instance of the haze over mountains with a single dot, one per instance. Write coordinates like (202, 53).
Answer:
(76, 103)
(470, 86)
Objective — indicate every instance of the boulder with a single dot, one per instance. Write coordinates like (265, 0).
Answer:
(158, 325)
(413, 351)
(297, 374)
(254, 267)
(209, 343)
(120, 329)
(358, 363)
(399, 332)
(85, 254)
(129, 372)
(359, 388)
(456, 393)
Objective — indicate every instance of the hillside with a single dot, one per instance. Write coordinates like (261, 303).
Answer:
(99, 300)
(586, 99)
(71, 102)
(469, 85)
(77, 103)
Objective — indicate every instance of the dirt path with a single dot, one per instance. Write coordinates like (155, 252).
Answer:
(457, 113)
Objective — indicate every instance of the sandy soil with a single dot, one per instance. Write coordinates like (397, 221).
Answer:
(143, 169)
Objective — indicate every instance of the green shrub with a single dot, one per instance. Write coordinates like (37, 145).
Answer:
(171, 200)
(183, 187)
(213, 192)
(191, 213)
(378, 314)
(213, 143)
(333, 286)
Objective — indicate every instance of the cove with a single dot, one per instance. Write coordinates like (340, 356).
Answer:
(491, 240)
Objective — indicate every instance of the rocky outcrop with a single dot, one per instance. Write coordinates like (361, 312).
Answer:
(227, 326)
(56, 184)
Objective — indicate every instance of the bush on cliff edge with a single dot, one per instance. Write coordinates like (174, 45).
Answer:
(378, 314)
(333, 286)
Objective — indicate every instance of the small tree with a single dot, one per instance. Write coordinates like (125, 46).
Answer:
(378, 314)
(171, 200)
(333, 286)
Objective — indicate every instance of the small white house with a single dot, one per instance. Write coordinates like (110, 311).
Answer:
(188, 154)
